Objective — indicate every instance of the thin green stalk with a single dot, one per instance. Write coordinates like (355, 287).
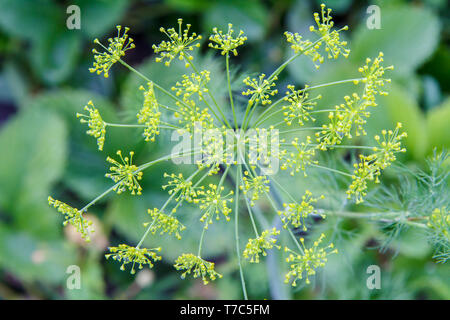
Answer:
(229, 89)
(236, 232)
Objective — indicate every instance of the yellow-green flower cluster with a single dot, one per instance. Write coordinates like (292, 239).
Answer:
(373, 76)
(193, 118)
(196, 265)
(187, 192)
(125, 174)
(256, 185)
(439, 221)
(97, 127)
(331, 37)
(74, 217)
(263, 147)
(213, 203)
(149, 113)
(255, 247)
(226, 42)
(134, 255)
(369, 168)
(296, 213)
(164, 223)
(179, 45)
(300, 159)
(305, 47)
(353, 113)
(307, 261)
(112, 54)
(193, 84)
(300, 106)
(333, 45)
(261, 89)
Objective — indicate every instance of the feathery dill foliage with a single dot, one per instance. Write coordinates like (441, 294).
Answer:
(242, 175)
(421, 201)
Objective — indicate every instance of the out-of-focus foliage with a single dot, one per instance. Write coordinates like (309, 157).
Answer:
(44, 82)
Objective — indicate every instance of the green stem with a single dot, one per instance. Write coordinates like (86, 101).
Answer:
(236, 232)
(229, 90)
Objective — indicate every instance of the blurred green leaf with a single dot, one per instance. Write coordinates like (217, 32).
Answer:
(100, 16)
(55, 55)
(408, 36)
(33, 260)
(250, 16)
(189, 6)
(30, 19)
(35, 155)
(438, 126)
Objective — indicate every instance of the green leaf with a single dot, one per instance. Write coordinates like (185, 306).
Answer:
(33, 260)
(55, 55)
(438, 126)
(250, 16)
(100, 16)
(29, 19)
(34, 158)
(408, 36)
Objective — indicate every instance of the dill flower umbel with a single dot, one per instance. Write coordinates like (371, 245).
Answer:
(125, 174)
(300, 106)
(190, 263)
(97, 127)
(179, 45)
(74, 217)
(261, 89)
(134, 255)
(225, 132)
(256, 185)
(149, 114)
(260, 244)
(226, 42)
(179, 185)
(296, 213)
(164, 223)
(307, 262)
(213, 203)
(112, 54)
(193, 84)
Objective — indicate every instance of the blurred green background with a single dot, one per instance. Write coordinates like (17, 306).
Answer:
(44, 81)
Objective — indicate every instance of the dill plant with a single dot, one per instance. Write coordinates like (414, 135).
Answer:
(243, 180)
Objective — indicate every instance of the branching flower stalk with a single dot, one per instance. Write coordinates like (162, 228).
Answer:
(253, 146)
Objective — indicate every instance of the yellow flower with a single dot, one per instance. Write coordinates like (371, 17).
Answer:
(179, 45)
(226, 42)
(149, 114)
(127, 254)
(262, 89)
(256, 185)
(193, 84)
(196, 265)
(307, 261)
(97, 127)
(265, 241)
(164, 223)
(179, 184)
(296, 213)
(373, 76)
(299, 107)
(213, 203)
(299, 159)
(125, 174)
(74, 217)
(112, 54)
(333, 45)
